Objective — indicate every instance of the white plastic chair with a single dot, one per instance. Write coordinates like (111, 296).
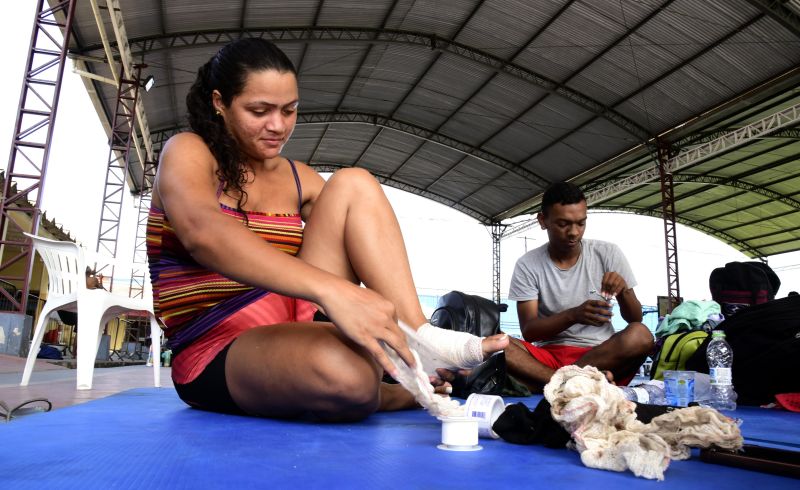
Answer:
(66, 269)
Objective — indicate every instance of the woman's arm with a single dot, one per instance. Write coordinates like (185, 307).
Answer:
(186, 186)
(185, 189)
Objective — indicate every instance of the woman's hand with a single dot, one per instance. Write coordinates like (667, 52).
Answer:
(367, 318)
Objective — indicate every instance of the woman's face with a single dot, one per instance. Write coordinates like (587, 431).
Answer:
(262, 117)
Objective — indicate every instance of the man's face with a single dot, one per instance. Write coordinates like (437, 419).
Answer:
(565, 224)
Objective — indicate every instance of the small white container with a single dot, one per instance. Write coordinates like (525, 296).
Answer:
(459, 434)
(485, 408)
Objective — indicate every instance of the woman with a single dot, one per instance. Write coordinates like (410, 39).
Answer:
(237, 279)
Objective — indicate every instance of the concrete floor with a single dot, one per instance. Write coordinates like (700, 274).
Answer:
(57, 383)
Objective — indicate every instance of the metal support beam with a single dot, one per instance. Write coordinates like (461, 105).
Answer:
(309, 118)
(403, 186)
(30, 146)
(784, 14)
(670, 236)
(122, 128)
(497, 235)
(757, 130)
(733, 241)
(114, 12)
(359, 35)
(139, 273)
(520, 227)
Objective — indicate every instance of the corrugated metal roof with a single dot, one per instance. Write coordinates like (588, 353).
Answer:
(481, 104)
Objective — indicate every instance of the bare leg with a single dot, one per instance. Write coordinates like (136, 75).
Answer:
(622, 353)
(313, 370)
(353, 233)
(294, 370)
(526, 368)
(395, 397)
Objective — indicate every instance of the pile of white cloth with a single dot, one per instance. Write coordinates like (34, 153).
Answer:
(608, 436)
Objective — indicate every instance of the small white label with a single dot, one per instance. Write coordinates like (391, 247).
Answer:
(721, 376)
(642, 396)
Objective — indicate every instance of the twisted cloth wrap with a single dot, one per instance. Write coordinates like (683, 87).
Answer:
(447, 352)
(608, 436)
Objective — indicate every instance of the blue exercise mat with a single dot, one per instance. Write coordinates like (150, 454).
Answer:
(147, 438)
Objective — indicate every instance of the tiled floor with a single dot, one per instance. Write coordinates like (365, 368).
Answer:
(57, 383)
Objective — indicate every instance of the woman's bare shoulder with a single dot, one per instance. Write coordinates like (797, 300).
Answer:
(185, 158)
(305, 170)
(186, 148)
(185, 140)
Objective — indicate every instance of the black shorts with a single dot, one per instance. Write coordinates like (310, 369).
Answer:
(209, 391)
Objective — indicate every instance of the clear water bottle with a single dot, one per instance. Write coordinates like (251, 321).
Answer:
(720, 361)
(651, 393)
(702, 388)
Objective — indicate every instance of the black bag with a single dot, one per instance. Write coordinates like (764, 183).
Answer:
(478, 316)
(740, 284)
(488, 378)
(765, 340)
(468, 313)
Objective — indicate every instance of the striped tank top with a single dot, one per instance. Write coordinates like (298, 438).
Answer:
(191, 299)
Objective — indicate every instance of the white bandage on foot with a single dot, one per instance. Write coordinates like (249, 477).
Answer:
(416, 382)
(440, 348)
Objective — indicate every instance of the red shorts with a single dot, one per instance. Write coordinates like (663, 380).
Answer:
(555, 356)
(270, 309)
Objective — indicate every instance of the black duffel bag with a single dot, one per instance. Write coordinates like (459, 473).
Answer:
(765, 340)
(468, 313)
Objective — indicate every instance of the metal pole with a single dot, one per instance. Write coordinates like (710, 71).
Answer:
(140, 245)
(117, 170)
(24, 179)
(670, 235)
(497, 235)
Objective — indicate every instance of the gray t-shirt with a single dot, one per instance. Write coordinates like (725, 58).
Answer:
(536, 277)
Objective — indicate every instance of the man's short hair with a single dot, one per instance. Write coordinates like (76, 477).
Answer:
(561, 193)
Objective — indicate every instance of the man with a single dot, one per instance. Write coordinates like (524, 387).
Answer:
(563, 291)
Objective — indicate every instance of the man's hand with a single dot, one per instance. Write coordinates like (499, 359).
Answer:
(612, 285)
(442, 384)
(592, 312)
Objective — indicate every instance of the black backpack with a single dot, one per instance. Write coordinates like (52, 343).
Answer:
(740, 284)
(468, 313)
(765, 340)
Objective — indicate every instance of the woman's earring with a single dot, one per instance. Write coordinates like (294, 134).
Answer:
(217, 113)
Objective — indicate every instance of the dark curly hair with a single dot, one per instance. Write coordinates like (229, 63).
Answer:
(561, 193)
(227, 73)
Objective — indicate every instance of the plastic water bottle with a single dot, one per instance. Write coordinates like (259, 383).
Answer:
(651, 393)
(702, 388)
(720, 361)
